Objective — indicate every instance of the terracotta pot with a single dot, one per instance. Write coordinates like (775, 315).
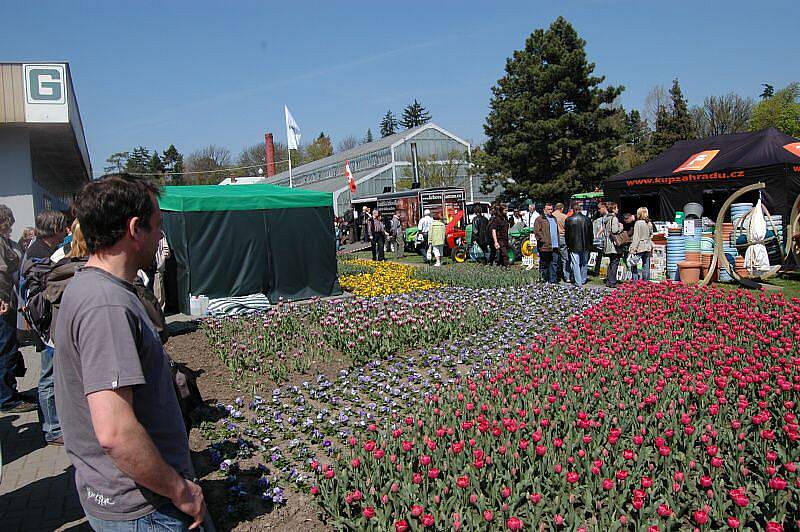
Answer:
(692, 256)
(689, 272)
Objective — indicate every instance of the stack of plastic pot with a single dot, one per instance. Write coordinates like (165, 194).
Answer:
(739, 210)
(707, 254)
(730, 254)
(727, 231)
(676, 251)
(775, 228)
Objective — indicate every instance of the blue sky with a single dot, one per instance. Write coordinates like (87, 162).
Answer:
(196, 73)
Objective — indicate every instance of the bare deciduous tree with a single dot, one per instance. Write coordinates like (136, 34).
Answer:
(657, 97)
(347, 143)
(212, 160)
(720, 115)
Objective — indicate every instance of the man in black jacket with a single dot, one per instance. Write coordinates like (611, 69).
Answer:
(480, 233)
(51, 228)
(580, 239)
(10, 358)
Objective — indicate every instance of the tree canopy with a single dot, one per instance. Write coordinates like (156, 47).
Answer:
(388, 124)
(414, 115)
(781, 110)
(673, 122)
(551, 128)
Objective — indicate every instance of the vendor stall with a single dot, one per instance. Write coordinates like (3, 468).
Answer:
(707, 171)
(236, 241)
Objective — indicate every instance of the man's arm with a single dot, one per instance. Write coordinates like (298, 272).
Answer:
(130, 448)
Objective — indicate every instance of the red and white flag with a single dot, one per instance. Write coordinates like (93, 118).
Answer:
(351, 182)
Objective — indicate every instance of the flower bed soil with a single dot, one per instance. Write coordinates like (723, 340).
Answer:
(216, 385)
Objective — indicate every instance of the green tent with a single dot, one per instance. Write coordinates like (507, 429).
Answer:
(234, 240)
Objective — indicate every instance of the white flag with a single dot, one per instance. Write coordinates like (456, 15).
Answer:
(292, 131)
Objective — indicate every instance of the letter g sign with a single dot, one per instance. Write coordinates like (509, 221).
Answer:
(45, 84)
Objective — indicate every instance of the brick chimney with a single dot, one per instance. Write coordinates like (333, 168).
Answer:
(269, 147)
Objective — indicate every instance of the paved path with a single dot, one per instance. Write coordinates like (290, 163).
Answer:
(37, 491)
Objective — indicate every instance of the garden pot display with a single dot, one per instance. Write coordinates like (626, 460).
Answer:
(739, 268)
(676, 251)
(689, 272)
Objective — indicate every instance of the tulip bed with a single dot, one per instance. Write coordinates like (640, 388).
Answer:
(367, 278)
(294, 338)
(661, 408)
(470, 275)
(381, 279)
(266, 445)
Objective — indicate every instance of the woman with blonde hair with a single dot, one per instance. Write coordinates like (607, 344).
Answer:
(78, 248)
(641, 246)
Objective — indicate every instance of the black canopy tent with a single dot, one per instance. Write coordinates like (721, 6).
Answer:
(708, 170)
(247, 239)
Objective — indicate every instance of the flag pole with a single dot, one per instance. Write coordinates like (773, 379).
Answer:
(290, 168)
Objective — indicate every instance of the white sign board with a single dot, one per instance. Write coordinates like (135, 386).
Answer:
(46, 93)
(688, 228)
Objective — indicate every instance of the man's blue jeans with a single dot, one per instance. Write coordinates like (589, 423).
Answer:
(9, 353)
(47, 397)
(167, 519)
(580, 266)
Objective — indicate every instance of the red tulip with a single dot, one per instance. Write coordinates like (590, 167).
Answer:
(513, 523)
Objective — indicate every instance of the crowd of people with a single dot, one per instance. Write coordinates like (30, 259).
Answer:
(90, 289)
(564, 240)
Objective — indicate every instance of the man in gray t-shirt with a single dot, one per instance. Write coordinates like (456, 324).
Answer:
(123, 429)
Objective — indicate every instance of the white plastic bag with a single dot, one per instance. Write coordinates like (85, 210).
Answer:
(756, 259)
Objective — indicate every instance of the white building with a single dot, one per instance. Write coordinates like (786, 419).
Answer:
(378, 166)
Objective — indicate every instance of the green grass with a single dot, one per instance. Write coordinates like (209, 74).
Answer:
(789, 283)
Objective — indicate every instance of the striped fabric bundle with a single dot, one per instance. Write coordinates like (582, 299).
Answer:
(239, 305)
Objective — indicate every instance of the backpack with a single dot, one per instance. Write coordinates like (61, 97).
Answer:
(33, 305)
(184, 380)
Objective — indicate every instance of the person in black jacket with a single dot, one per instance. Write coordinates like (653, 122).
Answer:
(579, 236)
(51, 228)
(11, 364)
(480, 233)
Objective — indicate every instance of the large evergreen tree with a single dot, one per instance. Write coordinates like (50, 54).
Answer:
(173, 164)
(138, 161)
(368, 137)
(673, 123)
(155, 165)
(551, 128)
(388, 124)
(414, 115)
(116, 162)
(634, 150)
(636, 131)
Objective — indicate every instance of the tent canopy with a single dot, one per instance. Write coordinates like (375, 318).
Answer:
(207, 198)
(736, 151)
(241, 240)
(708, 170)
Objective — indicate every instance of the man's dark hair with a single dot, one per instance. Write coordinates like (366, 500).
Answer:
(576, 206)
(104, 207)
(49, 223)
(548, 205)
(477, 209)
